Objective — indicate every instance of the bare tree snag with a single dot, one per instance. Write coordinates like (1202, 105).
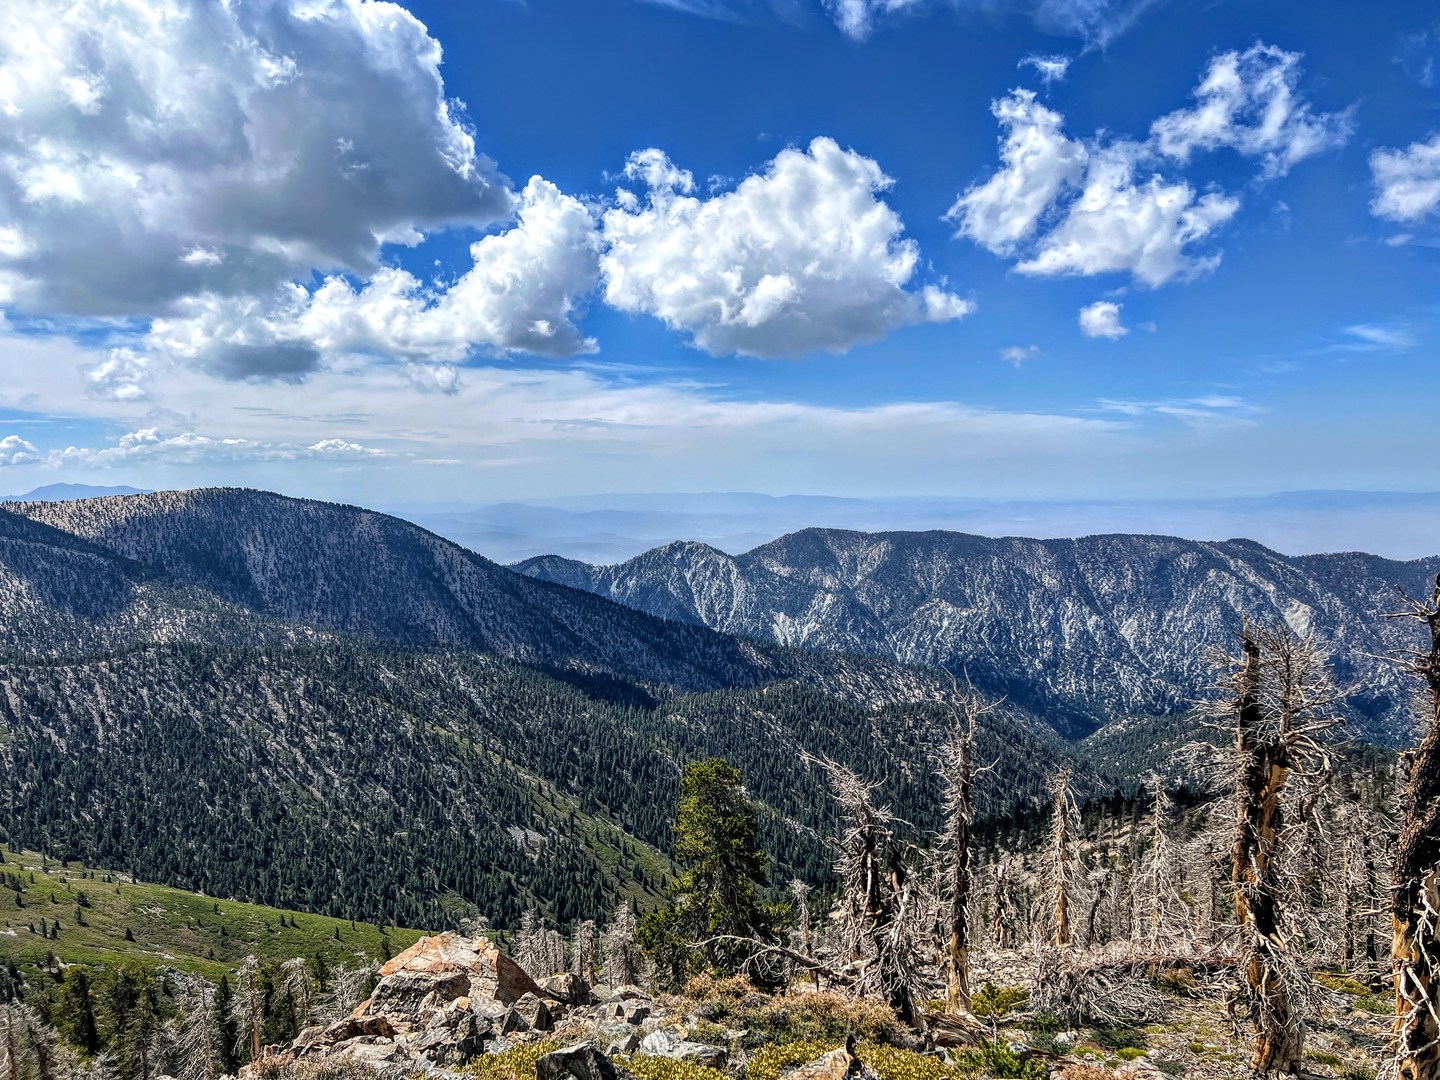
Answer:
(879, 908)
(1062, 853)
(1281, 702)
(1415, 885)
(957, 774)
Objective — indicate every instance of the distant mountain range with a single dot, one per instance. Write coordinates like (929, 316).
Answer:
(319, 705)
(69, 493)
(330, 708)
(1079, 632)
(612, 528)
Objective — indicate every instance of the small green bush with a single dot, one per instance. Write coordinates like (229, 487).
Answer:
(798, 1017)
(993, 1003)
(768, 1062)
(1118, 1038)
(517, 1063)
(997, 1059)
(1342, 983)
(660, 1068)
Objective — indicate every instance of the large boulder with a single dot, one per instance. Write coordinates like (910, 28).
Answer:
(437, 970)
(566, 987)
(667, 1044)
(579, 1062)
(841, 1064)
(441, 1002)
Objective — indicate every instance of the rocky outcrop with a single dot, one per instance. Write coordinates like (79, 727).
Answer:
(440, 1002)
(567, 987)
(667, 1044)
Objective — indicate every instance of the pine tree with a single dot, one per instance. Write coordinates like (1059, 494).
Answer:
(75, 1016)
(715, 915)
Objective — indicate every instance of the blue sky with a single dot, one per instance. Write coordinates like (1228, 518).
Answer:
(779, 246)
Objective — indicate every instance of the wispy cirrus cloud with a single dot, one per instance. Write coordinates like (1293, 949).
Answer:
(1376, 337)
(1051, 68)
(1096, 23)
(1205, 410)
(149, 446)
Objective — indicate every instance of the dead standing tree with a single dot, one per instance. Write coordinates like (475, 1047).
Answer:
(957, 776)
(878, 908)
(1162, 918)
(1415, 888)
(1281, 704)
(1064, 831)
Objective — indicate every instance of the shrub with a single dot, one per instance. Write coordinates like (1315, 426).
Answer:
(798, 1017)
(893, 1063)
(992, 1003)
(332, 1068)
(1342, 983)
(1378, 1004)
(517, 1063)
(705, 986)
(768, 1062)
(661, 1068)
(997, 1059)
(1118, 1038)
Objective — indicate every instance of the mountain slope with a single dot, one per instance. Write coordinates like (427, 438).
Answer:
(332, 569)
(168, 928)
(325, 708)
(362, 782)
(1080, 631)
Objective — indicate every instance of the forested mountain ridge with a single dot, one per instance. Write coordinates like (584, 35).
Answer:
(145, 567)
(318, 706)
(1078, 631)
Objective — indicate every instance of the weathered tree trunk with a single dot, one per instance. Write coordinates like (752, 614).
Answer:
(959, 777)
(1061, 843)
(1415, 895)
(1264, 768)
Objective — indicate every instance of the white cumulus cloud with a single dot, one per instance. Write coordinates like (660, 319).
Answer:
(519, 295)
(805, 256)
(1251, 103)
(1124, 223)
(16, 451)
(1063, 205)
(219, 147)
(1407, 182)
(1102, 320)
(1038, 162)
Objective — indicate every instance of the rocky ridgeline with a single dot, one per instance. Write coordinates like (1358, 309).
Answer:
(448, 998)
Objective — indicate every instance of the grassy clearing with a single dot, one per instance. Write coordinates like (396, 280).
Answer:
(104, 918)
